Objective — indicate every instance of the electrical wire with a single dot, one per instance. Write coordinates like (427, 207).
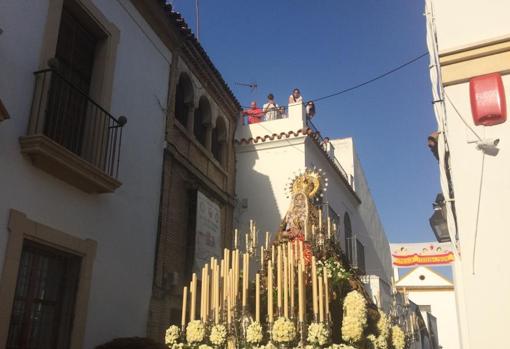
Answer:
(461, 117)
(378, 77)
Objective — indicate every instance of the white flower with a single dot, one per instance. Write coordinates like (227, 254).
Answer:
(269, 346)
(178, 346)
(283, 330)
(398, 337)
(340, 346)
(172, 335)
(355, 317)
(195, 332)
(254, 333)
(383, 326)
(218, 335)
(317, 334)
(204, 346)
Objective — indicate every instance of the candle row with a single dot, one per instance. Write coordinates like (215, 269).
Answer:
(220, 281)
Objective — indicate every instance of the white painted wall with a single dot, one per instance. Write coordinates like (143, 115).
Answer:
(437, 292)
(481, 182)
(463, 22)
(123, 223)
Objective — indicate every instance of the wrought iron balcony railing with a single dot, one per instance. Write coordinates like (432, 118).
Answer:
(68, 116)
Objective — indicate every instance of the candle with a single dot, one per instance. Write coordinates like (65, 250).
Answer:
(257, 297)
(246, 239)
(314, 288)
(320, 219)
(261, 257)
(306, 231)
(279, 279)
(245, 279)
(301, 294)
(291, 280)
(193, 291)
(326, 296)
(230, 284)
(270, 291)
(273, 254)
(321, 302)
(235, 239)
(217, 296)
(267, 240)
(329, 227)
(184, 300)
(285, 287)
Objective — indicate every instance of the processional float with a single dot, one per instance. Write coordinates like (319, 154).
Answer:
(302, 293)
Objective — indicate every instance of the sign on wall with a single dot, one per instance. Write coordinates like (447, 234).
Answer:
(208, 232)
(427, 253)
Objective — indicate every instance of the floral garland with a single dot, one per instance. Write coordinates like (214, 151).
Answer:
(218, 335)
(317, 334)
(333, 269)
(398, 337)
(172, 335)
(254, 333)
(383, 326)
(284, 330)
(195, 332)
(355, 317)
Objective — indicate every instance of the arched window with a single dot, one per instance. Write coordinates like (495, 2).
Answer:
(219, 140)
(202, 120)
(183, 99)
(348, 237)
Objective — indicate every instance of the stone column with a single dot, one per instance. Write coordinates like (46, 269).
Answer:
(208, 136)
(191, 116)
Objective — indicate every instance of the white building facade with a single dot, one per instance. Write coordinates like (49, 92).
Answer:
(269, 153)
(435, 295)
(79, 186)
(468, 40)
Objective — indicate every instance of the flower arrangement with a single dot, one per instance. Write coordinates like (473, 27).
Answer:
(195, 332)
(177, 346)
(355, 317)
(172, 335)
(254, 333)
(340, 346)
(284, 330)
(333, 269)
(317, 334)
(218, 335)
(204, 346)
(398, 337)
(383, 326)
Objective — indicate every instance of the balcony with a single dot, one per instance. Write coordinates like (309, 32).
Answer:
(72, 137)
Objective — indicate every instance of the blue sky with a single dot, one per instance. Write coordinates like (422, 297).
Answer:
(328, 45)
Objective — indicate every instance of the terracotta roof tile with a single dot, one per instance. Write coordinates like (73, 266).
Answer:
(188, 35)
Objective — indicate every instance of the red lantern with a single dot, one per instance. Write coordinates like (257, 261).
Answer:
(488, 104)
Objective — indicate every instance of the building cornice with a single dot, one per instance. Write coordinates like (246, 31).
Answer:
(175, 33)
(306, 132)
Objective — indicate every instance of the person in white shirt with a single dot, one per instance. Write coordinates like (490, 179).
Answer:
(270, 108)
(295, 97)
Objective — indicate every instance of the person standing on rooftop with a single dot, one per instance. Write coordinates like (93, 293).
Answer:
(270, 108)
(295, 97)
(254, 113)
